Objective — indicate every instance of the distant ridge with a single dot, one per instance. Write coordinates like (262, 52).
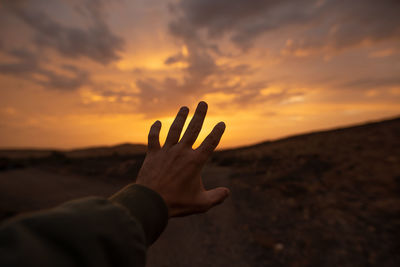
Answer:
(99, 151)
(102, 151)
(134, 149)
(357, 126)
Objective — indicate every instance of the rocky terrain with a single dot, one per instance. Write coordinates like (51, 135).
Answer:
(327, 198)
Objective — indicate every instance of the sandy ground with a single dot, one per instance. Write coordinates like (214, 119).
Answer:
(195, 239)
(31, 189)
(198, 238)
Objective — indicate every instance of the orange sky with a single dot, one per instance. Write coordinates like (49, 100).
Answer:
(98, 72)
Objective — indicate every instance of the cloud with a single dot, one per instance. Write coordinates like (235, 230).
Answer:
(348, 24)
(203, 75)
(158, 97)
(75, 79)
(337, 24)
(96, 42)
(242, 19)
(28, 64)
(367, 83)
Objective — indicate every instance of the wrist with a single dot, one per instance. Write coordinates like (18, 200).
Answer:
(145, 205)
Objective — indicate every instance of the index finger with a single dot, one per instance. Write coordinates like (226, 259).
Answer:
(212, 140)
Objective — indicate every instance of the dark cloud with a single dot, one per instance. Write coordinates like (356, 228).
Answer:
(75, 79)
(28, 65)
(179, 57)
(96, 42)
(335, 23)
(367, 83)
(347, 24)
(27, 62)
(243, 20)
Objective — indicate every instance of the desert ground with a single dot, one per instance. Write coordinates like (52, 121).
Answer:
(329, 198)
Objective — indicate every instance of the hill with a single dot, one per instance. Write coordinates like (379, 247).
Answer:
(100, 151)
(329, 198)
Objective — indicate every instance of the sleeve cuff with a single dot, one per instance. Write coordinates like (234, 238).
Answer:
(147, 206)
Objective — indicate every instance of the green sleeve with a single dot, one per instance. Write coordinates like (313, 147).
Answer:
(87, 232)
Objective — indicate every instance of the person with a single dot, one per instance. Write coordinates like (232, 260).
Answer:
(117, 231)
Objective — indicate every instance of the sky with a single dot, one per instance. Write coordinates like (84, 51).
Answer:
(77, 73)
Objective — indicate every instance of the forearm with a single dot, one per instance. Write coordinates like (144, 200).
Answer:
(89, 232)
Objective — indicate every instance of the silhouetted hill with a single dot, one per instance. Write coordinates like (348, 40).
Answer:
(361, 128)
(100, 151)
(328, 198)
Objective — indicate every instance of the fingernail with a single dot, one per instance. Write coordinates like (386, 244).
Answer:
(203, 103)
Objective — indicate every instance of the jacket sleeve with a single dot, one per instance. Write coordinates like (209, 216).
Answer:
(87, 232)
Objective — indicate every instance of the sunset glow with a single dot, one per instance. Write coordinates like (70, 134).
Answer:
(98, 72)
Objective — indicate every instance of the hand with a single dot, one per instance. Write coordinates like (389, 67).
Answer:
(173, 171)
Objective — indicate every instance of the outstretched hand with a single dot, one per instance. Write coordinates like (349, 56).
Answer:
(174, 170)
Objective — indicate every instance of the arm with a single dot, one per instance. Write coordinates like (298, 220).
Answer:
(85, 232)
(118, 230)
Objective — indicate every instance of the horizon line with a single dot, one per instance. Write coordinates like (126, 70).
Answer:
(320, 130)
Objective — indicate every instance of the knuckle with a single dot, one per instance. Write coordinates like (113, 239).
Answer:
(213, 141)
(152, 135)
(210, 145)
(193, 159)
(174, 129)
(180, 152)
(202, 156)
(208, 149)
(190, 159)
(154, 128)
(197, 129)
(175, 125)
(180, 149)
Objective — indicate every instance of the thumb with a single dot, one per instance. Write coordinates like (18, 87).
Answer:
(217, 195)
